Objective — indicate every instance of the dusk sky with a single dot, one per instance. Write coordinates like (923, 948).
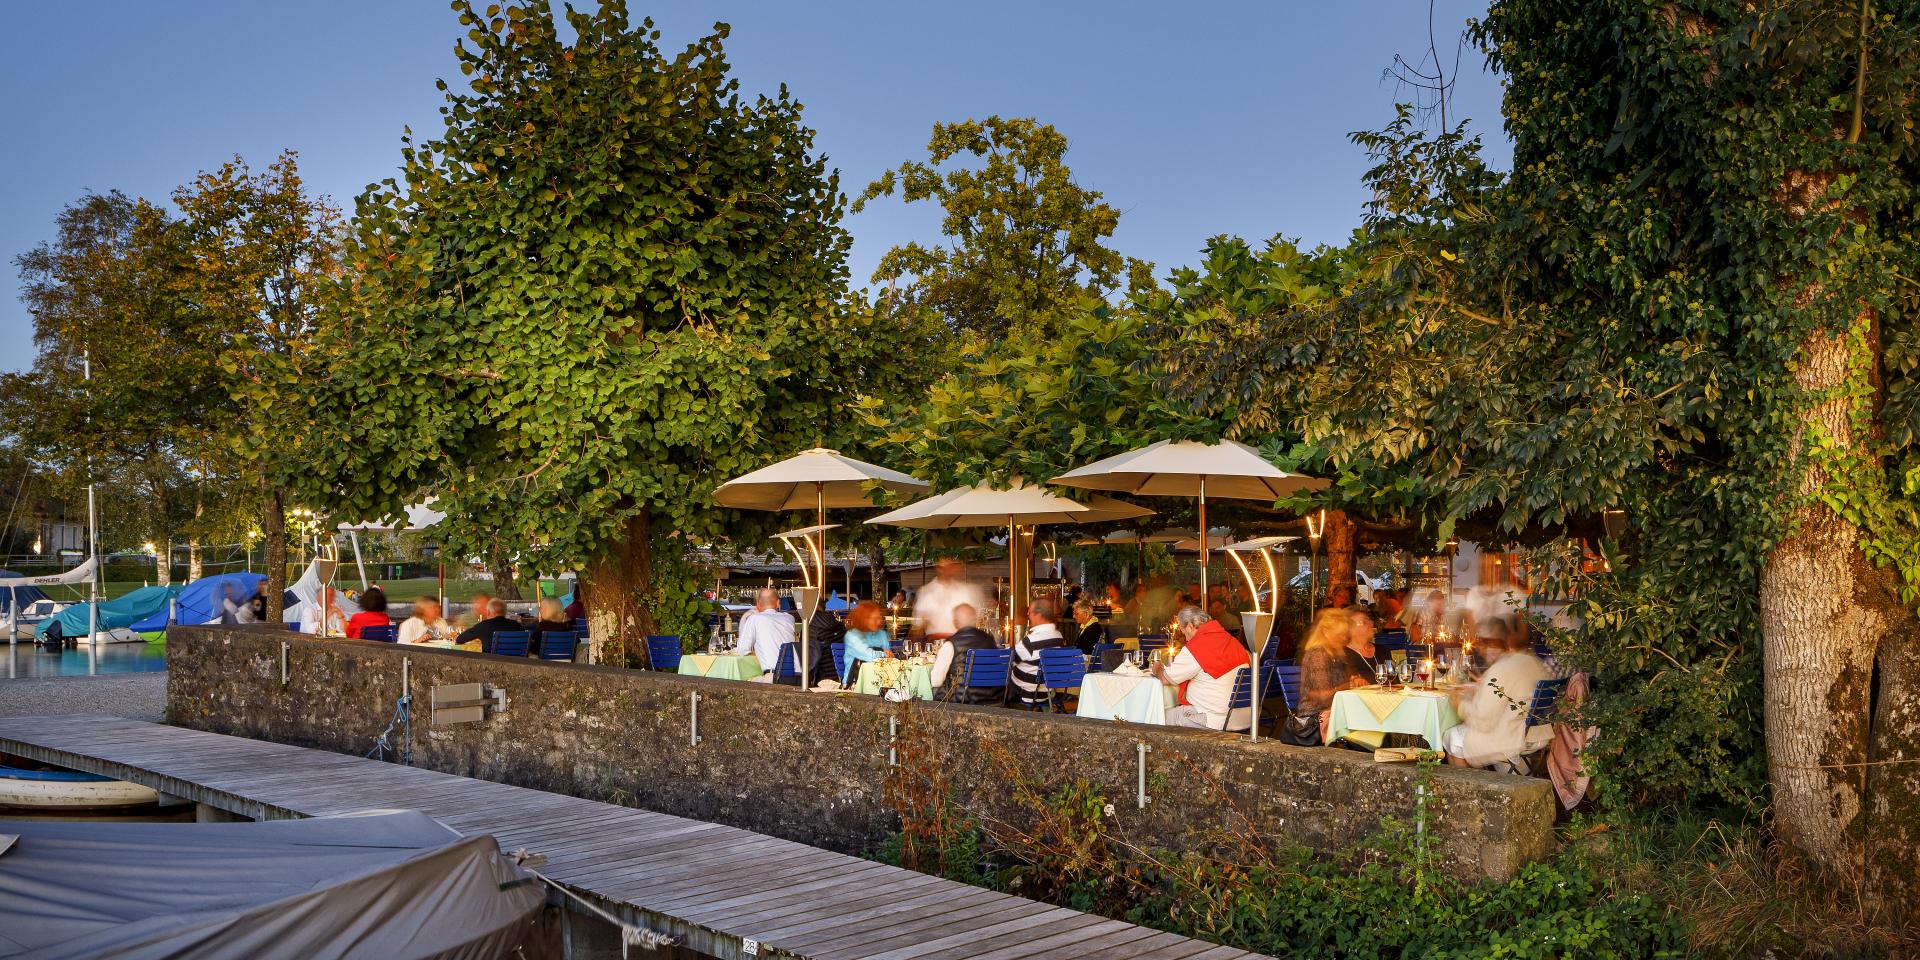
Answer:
(1194, 119)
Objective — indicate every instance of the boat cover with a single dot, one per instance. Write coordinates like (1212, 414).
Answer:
(203, 600)
(392, 884)
(136, 607)
(304, 590)
(20, 595)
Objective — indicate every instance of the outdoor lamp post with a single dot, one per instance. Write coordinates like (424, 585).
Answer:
(806, 597)
(1257, 623)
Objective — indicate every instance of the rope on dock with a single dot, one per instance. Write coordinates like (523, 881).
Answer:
(630, 935)
(402, 718)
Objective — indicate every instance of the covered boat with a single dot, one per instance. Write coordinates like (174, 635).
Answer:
(395, 884)
(204, 600)
(117, 616)
(49, 791)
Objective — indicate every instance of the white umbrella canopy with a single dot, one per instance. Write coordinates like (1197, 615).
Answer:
(815, 479)
(1179, 468)
(420, 516)
(983, 506)
(1101, 509)
(1188, 468)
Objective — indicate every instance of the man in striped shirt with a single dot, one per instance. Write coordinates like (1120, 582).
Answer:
(1041, 634)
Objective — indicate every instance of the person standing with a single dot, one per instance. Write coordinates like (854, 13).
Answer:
(933, 606)
(764, 630)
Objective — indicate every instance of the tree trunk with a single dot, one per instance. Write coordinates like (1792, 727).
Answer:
(273, 524)
(163, 561)
(619, 582)
(1822, 615)
(504, 585)
(1340, 559)
(1893, 780)
(193, 559)
(877, 574)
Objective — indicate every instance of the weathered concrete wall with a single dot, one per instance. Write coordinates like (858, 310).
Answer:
(809, 766)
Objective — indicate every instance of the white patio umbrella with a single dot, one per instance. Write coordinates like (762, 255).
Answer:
(1187, 468)
(816, 479)
(417, 518)
(983, 506)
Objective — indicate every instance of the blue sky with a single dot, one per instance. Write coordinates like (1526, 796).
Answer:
(1194, 119)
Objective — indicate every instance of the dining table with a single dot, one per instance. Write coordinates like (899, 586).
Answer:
(720, 666)
(1367, 714)
(914, 675)
(1135, 697)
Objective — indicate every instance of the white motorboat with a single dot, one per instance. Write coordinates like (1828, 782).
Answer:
(68, 790)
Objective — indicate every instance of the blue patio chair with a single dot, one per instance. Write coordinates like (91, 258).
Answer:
(788, 668)
(839, 651)
(1242, 696)
(558, 644)
(1097, 661)
(386, 634)
(1391, 639)
(580, 627)
(1286, 676)
(663, 653)
(1061, 670)
(899, 647)
(511, 643)
(1148, 644)
(982, 677)
(1546, 698)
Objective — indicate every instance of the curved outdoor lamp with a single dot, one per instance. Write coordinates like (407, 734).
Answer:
(1257, 623)
(813, 578)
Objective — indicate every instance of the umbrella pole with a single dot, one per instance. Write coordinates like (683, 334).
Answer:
(806, 617)
(1013, 548)
(1204, 545)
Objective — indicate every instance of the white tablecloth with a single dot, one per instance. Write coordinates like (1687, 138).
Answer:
(1111, 696)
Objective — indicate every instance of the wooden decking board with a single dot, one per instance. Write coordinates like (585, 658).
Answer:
(709, 879)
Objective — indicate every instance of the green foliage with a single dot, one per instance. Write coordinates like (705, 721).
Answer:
(1026, 243)
(610, 283)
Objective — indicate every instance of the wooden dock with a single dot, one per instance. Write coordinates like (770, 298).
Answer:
(719, 890)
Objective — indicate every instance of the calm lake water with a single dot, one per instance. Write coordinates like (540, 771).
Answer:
(28, 660)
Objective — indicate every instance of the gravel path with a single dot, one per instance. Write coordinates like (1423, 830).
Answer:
(136, 696)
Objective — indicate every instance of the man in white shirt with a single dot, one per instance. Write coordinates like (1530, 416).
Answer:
(933, 605)
(764, 630)
(1204, 672)
(1493, 712)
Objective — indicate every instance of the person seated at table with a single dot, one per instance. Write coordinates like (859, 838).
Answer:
(1116, 601)
(764, 630)
(426, 626)
(480, 635)
(1227, 619)
(476, 612)
(823, 631)
(1204, 671)
(1092, 631)
(373, 613)
(1042, 634)
(953, 654)
(336, 622)
(577, 610)
(1328, 665)
(867, 639)
(1493, 711)
(553, 619)
(1360, 649)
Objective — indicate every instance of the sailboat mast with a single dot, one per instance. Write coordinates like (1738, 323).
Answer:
(93, 524)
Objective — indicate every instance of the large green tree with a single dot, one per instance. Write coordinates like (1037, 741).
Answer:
(260, 258)
(609, 282)
(1023, 242)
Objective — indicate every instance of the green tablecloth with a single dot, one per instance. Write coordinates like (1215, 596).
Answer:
(1112, 696)
(1422, 713)
(724, 666)
(919, 680)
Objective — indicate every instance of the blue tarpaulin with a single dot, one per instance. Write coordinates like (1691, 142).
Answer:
(835, 604)
(24, 595)
(135, 607)
(203, 600)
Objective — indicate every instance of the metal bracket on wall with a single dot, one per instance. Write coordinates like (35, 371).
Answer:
(1140, 796)
(693, 718)
(283, 662)
(893, 739)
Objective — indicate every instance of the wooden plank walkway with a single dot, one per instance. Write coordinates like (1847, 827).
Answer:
(712, 886)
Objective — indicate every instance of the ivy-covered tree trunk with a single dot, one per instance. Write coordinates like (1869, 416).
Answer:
(1340, 558)
(618, 583)
(273, 524)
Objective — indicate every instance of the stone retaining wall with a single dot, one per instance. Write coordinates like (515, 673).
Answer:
(809, 766)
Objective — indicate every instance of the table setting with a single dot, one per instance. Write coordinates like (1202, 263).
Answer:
(720, 666)
(1128, 693)
(898, 678)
